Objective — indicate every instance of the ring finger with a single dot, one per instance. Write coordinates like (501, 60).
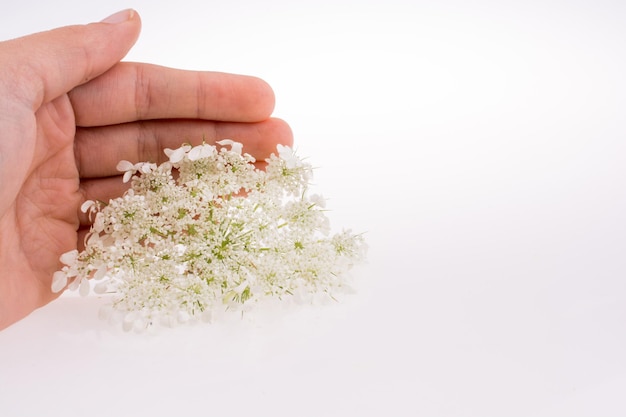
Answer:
(98, 150)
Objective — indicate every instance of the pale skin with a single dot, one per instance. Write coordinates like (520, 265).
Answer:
(70, 111)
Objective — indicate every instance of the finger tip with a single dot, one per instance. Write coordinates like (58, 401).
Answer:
(281, 131)
(263, 99)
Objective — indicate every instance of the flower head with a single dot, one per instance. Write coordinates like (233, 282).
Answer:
(220, 234)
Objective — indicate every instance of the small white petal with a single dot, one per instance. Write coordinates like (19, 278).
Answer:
(92, 239)
(177, 155)
(87, 205)
(234, 146)
(69, 258)
(74, 285)
(200, 152)
(100, 273)
(147, 168)
(194, 153)
(127, 176)
(101, 287)
(208, 150)
(225, 142)
(98, 224)
(59, 281)
(123, 166)
(84, 288)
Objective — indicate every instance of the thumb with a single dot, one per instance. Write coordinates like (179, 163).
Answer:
(45, 65)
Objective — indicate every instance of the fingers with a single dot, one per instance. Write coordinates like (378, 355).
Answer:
(98, 150)
(48, 64)
(134, 91)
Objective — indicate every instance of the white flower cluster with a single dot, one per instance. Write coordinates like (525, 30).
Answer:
(207, 230)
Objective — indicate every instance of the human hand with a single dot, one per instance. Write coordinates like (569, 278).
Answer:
(70, 111)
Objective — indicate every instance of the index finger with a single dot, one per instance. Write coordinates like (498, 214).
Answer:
(133, 91)
(48, 64)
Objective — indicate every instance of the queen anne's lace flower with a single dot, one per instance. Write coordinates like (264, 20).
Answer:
(219, 234)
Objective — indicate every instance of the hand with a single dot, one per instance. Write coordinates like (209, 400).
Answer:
(70, 111)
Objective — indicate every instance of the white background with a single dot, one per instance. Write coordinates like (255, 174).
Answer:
(482, 147)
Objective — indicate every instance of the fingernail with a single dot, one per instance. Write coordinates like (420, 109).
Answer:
(119, 17)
